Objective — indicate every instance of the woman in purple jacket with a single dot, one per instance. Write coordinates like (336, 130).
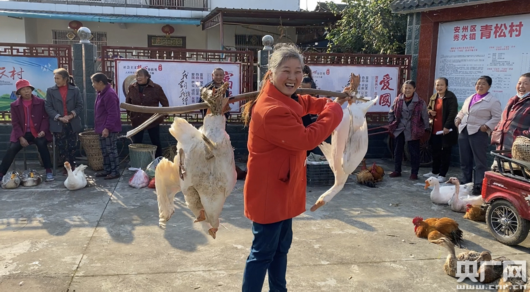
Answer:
(107, 124)
(30, 126)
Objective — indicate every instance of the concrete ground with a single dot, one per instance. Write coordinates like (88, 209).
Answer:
(106, 238)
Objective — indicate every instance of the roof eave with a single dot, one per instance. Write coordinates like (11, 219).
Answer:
(442, 6)
(255, 14)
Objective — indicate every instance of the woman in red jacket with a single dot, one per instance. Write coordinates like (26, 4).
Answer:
(30, 126)
(275, 188)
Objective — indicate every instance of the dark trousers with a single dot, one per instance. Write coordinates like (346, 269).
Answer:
(268, 253)
(66, 142)
(14, 148)
(473, 150)
(414, 151)
(154, 135)
(441, 156)
(109, 149)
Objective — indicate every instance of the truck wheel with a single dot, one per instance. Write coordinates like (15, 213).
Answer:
(505, 224)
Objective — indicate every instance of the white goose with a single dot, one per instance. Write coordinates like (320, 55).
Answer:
(349, 143)
(458, 203)
(76, 179)
(442, 195)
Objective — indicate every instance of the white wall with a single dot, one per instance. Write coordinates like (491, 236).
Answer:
(293, 5)
(31, 30)
(134, 35)
(13, 30)
(39, 31)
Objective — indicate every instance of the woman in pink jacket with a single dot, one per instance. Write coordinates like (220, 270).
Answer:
(30, 126)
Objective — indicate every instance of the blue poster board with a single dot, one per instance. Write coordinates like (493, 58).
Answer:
(37, 70)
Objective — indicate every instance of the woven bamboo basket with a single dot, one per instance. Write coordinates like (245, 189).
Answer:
(521, 150)
(141, 155)
(90, 143)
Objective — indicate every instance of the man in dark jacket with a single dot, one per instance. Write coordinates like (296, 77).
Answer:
(218, 76)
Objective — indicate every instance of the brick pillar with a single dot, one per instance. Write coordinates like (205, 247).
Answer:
(413, 41)
(82, 79)
(427, 57)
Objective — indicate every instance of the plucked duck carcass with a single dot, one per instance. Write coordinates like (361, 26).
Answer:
(349, 143)
(203, 169)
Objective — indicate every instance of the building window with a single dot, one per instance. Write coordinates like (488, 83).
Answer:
(249, 43)
(62, 37)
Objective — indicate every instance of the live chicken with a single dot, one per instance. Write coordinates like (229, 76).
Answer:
(203, 169)
(475, 213)
(436, 228)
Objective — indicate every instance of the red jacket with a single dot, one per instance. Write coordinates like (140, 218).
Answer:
(275, 186)
(38, 116)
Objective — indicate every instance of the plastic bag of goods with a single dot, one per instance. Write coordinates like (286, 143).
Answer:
(150, 170)
(139, 180)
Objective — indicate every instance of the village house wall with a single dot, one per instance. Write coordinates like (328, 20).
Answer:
(39, 31)
(13, 30)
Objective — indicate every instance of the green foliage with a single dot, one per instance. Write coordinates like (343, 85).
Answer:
(368, 26)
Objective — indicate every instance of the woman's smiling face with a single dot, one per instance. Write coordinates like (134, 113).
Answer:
(288, 76)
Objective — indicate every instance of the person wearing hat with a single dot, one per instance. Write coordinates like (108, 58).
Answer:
(30, 126)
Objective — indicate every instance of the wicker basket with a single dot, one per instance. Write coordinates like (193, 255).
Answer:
(521, 150)
(141, 155)
(320, 174)
(90, 143)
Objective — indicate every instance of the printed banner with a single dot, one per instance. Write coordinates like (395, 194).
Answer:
(496, 47)
(382, 81)
(37, 70)
(181, 81)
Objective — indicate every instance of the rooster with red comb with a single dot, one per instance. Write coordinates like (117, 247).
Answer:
(436, 228)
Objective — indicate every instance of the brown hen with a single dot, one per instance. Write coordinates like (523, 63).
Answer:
(436, 228)
(475, 213)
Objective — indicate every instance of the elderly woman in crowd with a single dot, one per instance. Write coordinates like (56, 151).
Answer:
(30, 125)
(63, 105)
(480, 114)
(409, 122)
(107, 124)
(515, 117)
(146, 93)
(443, 107)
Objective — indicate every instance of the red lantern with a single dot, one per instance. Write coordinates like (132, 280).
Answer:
(168, 29)
(75, 25)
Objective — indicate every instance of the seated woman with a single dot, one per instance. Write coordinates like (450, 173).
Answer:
(30, 125)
